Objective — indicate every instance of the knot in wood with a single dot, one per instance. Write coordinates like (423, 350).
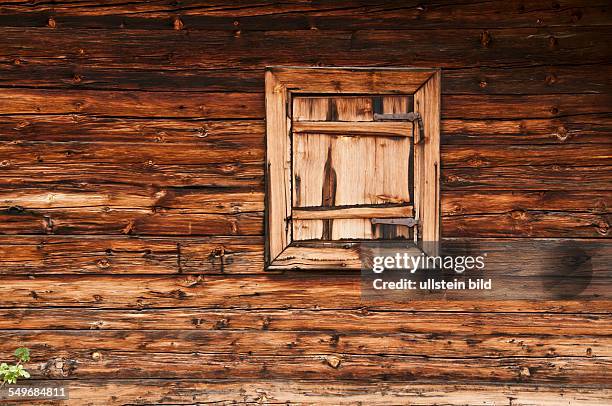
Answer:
(333, 361)
(485, 39)
(562, 134)
(51, 22)
(178, 24)
(551, 79)
(524, 372)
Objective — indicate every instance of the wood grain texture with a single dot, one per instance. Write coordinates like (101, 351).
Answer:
(132, 140)
(192, 392)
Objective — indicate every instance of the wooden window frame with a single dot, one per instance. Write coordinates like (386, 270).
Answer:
(281, 84)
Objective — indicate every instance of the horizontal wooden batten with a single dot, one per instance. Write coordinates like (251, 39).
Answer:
(349, 129)
(365, 212)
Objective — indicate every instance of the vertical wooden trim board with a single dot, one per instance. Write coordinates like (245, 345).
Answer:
(278, 161)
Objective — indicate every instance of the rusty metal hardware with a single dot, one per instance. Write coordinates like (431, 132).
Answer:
(412, 117)
(399, 221)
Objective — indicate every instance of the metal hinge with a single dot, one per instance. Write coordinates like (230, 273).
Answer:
(400, 221)
(412, 117)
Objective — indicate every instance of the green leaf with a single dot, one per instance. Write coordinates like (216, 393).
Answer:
(23, 354)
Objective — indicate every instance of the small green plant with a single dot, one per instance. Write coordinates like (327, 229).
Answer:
(10, 373)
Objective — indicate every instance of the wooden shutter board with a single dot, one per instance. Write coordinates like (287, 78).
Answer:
(308, 156)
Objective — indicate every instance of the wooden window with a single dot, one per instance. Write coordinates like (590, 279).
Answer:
(352, 155)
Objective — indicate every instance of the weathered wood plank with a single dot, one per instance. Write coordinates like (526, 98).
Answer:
(200, 365)
(592, 128)
(527, 223)
(596, 128)
(86, 128)
(478, 80)
(250, 105)
(147, 174)
(183, 199)
(105, 220)
(122, 255)
(524, 106)
(518, 155)
(130, 255)
(546, 177)
(353, 15)
(131, 103)
(46, 343)
(113, 392)
(458, 203)
(239, 151)
(346, 321)
(217, 49)
(294, 290)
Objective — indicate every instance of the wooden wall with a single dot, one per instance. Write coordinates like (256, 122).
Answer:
(131, 201)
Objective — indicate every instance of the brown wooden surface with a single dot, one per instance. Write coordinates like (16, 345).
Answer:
(132, 141)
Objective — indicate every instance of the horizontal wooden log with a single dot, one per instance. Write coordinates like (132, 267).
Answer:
(35, 255)
(250, 105)
(147, 174)
(200, 365)
(522, 223)
(46, 343)
(458, 203)
(439, 322)
(86, 128)
(516, 155)
(318, 213)
(118, 392)
(524, 106)
(131, 104)
(545, 177)
(252, 49)
(104, 220)
(302, 16)
(478, 80)
(299, 290)
(63, 128)
(346, 128)
(252, 150)
(130, 255)
(180, 200)
(595, 128)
